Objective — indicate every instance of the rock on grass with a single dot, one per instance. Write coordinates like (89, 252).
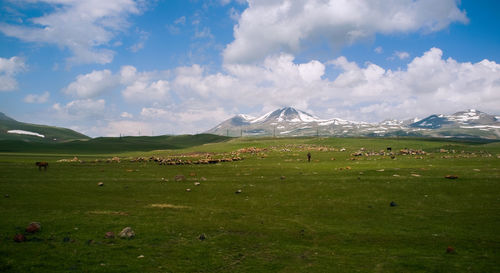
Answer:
(127, 233)
(19, 238)
(33, 227)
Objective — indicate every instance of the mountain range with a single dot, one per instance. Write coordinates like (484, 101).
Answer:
(289, 121)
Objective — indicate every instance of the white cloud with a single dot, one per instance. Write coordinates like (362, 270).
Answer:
(379, 50)
(143, 37)
(92, 84)
(81, 109)
(8, 69)
(126, 115)
(37, 98)
(180, 21)
(83, 27)
(400, 55)
(204, 33)
(268, 27)
(429, 84)
(143, 91)
(184, 118)
(136, 87)
(191, 99)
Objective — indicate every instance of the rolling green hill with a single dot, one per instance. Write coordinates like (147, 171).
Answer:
(51, 134)
(103, 145)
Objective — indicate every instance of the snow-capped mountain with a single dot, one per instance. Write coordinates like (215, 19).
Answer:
(464, 119)
(289, 121)
(283, 115)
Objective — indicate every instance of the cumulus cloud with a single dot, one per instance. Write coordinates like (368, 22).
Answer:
(92, 84)
(184, 118)
(147, 92)
(272, 26)
(83, 27)
(429, 84)
(81, 109)
(192, 99)
(136, 86)
(37, 98)
(126, 115)
(8, 69)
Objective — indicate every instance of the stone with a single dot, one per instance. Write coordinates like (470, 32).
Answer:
(33, 227)
(179, 178)
(109, 235)
(19, 238)
(188, 190)
(6, 196)
(282, 177)
(450, 250)
(203, 178)
(140, 256)
(238, 191)
(451, 176)
(197, 183)
(127, 233)
(202, 237)
(100, 184)
(393, 204)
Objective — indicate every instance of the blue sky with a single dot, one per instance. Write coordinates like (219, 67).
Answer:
(114, 67)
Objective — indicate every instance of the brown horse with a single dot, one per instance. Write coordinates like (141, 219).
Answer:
(41, 165)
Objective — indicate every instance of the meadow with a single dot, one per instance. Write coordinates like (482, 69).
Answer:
(272, 211)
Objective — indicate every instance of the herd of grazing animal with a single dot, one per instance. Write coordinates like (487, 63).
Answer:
(45, 165)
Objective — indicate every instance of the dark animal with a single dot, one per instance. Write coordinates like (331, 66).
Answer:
(389, 149)
(41, 165)
(308, 157)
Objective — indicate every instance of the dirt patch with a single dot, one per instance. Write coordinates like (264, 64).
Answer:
(168, 206)
(107, 212)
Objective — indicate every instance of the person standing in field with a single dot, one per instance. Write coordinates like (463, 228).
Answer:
(308, 157)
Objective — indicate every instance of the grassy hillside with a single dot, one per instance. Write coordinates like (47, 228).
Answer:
(52, 134)
(104, 145)
(328, 215)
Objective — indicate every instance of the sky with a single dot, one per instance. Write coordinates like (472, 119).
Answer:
(138, 67)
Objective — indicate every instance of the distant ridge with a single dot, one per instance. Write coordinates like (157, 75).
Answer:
(288, 121)
(10, 129)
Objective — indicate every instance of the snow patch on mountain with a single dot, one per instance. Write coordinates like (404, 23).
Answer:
(262, 118)
(246, 117)
(22, 132)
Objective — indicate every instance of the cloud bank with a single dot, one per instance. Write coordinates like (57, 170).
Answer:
(273, 26)
(190, 99)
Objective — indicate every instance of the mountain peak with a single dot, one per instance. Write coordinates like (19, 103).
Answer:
(290, 114)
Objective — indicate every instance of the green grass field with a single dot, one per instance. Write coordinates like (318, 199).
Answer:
(329, 215)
